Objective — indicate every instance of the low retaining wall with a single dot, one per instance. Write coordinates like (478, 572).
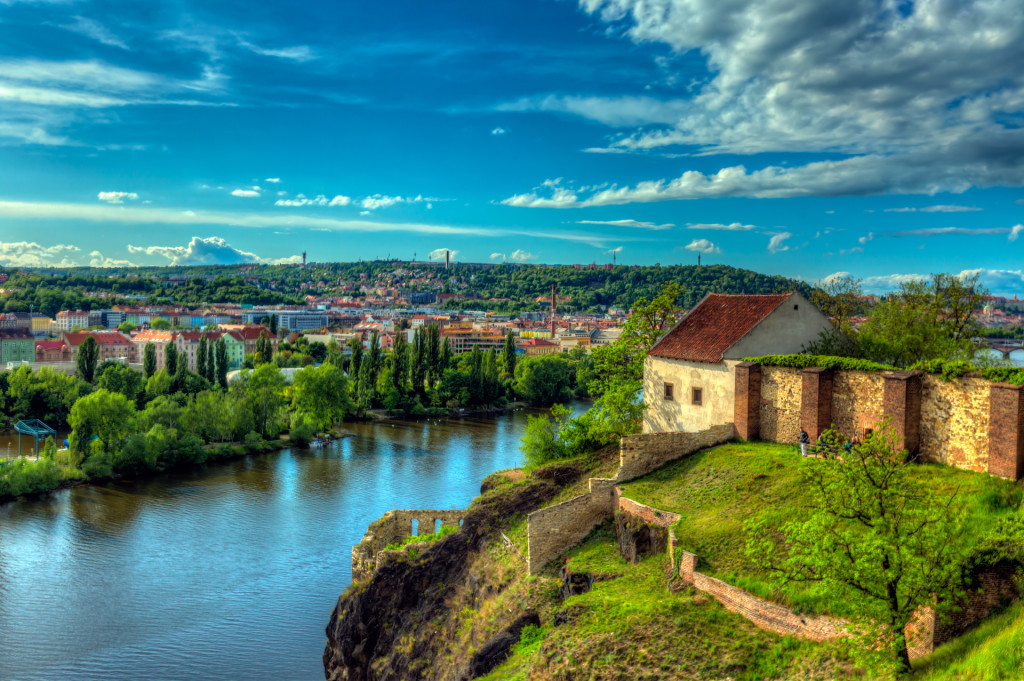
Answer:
(553, 530)
(393, 527)
(765, 614)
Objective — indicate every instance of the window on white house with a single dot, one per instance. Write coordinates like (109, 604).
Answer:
(668, 391)
(698, 396)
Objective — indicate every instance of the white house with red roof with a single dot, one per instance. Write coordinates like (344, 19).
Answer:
(689, 374)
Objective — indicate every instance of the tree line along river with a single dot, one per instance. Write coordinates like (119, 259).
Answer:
(229, 571)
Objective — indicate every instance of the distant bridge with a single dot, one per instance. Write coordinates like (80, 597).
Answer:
(1002, 345)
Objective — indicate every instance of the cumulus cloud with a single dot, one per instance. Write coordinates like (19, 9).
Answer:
(117, 197)
(209, 251)
(731, 227)
(31, 254)
(497, 256)
(1015, 232)
(97, 259)
(627, 223)
(273, 180)
(776, 243)
(866, 238)
(303, 200)
(440, 253)
(246, 193)
(519, 255)
(340, 200)
(384, 201)
(702, 246)
(498, 131)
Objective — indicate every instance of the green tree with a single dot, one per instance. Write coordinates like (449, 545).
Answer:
(375, 356)
(544, 380)
(508, 355)
(356, 344)
(446, 357)
(210, 371)
(419, 362)
(433, 352)
(222, 363)
(181, 373)
(88, 355)
(118, 378)
(170, 358)
(874, 534)
(399, 362)
(126, 327)
(201, 353)
(366, 390)
(149, 360)
(107, 416)
(160, 324)
(273, 324)
(265, 387)
(840, 299)
(322, 395)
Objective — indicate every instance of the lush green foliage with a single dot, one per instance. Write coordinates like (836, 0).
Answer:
(823, 361)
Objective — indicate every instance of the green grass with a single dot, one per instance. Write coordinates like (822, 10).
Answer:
(992, 652)
(717, 490)
(631, 626)
(440, 534)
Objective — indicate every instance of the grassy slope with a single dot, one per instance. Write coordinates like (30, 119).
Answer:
(718, 490)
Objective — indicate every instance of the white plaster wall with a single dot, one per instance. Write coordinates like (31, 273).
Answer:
(716, 381)
(784, 332)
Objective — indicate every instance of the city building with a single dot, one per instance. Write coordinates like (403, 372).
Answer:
(52, 351)
(16, 346)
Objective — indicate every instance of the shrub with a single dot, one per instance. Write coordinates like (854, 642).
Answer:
(823, 361)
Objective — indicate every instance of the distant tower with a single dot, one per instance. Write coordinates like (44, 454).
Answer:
(613, 257)
(554, 302)
(698, 260)
(447, 258)
(303, 258)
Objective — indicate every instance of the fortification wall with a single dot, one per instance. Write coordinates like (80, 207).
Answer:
(642, 453)
(780, 404)
(393, 527)
(954, 422)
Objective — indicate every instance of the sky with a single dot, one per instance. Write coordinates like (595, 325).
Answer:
(880, 138)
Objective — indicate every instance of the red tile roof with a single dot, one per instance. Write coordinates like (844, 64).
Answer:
(50, 344)
(715, 325)
(102, 337)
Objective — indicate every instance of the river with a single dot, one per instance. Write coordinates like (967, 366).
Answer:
(228, 572)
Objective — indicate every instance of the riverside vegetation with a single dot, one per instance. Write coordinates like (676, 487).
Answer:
(123, 422)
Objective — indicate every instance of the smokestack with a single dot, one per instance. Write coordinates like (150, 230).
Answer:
(554, 302)
(447, 258)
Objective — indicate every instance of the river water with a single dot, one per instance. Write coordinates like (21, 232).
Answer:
(228, 572)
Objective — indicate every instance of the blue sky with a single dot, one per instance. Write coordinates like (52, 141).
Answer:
(874, 137)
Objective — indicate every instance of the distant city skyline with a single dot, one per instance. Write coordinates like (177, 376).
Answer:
(863, 138)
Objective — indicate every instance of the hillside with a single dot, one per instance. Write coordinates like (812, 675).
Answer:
(450, 610)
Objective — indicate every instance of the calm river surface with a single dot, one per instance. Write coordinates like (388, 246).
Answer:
(229, 572)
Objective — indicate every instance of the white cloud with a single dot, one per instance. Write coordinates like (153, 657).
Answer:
(303, 200)
(1015, 232)
(96, 31)
(935, 209)
(117, 197)
(384, 201)
(97, 259)
(299, 53)
(999, 282)
(625, 111)
(626, 223)
(702, 246)
(31, 254)
(866, 238)
(340, 200)
(775, 244)
(440, 253)
(731, 227)
(273, 180)
(616, 250)
(497, 256)
(944, 231)
(245, 193)
(498, 131)
(519, 255)
(209, 251)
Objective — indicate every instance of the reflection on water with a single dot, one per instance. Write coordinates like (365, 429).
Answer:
(225, 573)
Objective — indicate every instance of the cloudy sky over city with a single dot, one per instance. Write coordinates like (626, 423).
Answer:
(798, 137)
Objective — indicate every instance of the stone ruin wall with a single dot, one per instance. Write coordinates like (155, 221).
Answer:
(780, 404)
(393, 527)
(856, 401)
(954, 422)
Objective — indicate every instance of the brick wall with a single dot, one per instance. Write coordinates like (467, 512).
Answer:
(392, 527)
(764, 614)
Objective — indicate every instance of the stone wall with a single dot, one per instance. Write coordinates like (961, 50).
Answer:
(765, 614)
(393, 527)
(954, 422)
(780, 404)
(968, 422)
(553, 530)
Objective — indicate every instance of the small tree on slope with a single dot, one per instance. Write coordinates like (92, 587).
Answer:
(874, 534)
